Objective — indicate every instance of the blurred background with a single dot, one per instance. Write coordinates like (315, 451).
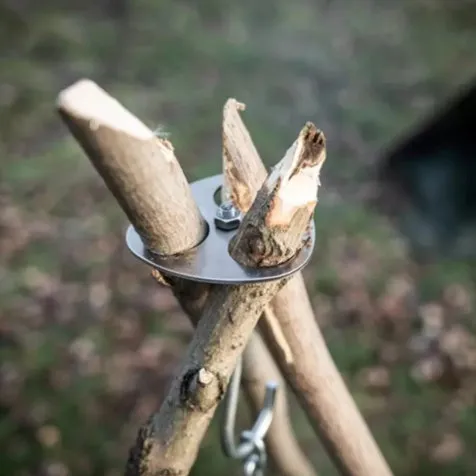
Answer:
(88, 341)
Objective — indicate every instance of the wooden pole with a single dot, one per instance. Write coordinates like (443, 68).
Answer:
(114, 139)
(285, 454)
(169, 443)
(143, 174)
(292, 333)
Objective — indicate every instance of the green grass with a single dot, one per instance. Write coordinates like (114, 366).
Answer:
(363, 71)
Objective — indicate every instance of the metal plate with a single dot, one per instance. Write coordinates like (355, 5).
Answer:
(210, 262)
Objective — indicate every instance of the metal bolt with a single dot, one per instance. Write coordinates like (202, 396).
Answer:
(227, 217)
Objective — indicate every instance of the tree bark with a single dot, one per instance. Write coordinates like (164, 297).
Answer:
(258, 366)
(139, 169)
(143, 174)
(284, 453)
(169, 443)
(303, 357)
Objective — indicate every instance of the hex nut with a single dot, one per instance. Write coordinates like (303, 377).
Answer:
(227, 224)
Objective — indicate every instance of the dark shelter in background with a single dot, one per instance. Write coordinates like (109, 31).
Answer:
(428, 179)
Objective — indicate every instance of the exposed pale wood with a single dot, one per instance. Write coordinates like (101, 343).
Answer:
(286, 199)
(140, 169)
(242, 181)
(244, 174)
(258, 366)
(310, 370)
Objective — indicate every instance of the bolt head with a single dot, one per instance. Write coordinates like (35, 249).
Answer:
(227, 210)
(228, 217)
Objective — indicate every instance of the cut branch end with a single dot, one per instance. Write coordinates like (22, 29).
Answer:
(140, 169)
(86, 100)
(296, 178)
(286, 201)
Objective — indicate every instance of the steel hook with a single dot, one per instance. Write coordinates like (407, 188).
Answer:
(251, 448)
(229, 445)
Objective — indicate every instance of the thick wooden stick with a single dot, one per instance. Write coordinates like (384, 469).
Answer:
(170, 442)
(258, 368)
(139, 169)
(104, 149)
(284, 453)
(304, 358)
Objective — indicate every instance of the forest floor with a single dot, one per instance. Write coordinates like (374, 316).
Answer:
(88, 342)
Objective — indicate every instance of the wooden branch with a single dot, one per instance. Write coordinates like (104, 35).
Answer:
(169, 444)
(244, 173)
(287, 198)
(285, 455)
(106, 130)
(305, 361)
(141, 170)
(284, 452)
(258, 368)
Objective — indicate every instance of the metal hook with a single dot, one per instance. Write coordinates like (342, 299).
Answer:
(251, 448)
(231, 405)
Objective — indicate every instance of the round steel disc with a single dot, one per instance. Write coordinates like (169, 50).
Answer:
(210, 262)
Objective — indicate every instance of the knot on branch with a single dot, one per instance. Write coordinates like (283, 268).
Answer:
(201, 389)
(272, 230)
(138, 455)
(260, 248)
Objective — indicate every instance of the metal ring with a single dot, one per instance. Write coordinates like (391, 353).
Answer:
(210, 261)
